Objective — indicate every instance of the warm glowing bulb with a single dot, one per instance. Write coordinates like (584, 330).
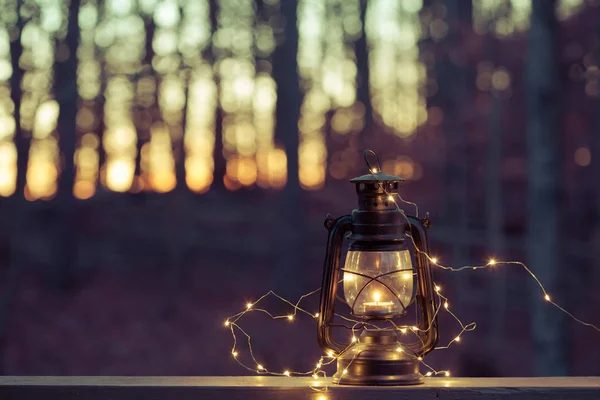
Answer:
(428, 374)
(227, 323)
(414, 328)
(344, 372)
(420, 358)
(403, 330)
(376, 296)
(286, 373)
(354, 338)
(492, 262)
(234, 353)
(249, 306)
(406, 275)
(374, 171)
(438, 288)
(330, 353)
(315, 376)
(260, 367)
(290, 317)
(547, 298)
(447, 373)
(318, 365)
(399, 350)
(317, 315)
(457, 339)
(321, 397)
(434, 260)
(391, 198)
(446, 305)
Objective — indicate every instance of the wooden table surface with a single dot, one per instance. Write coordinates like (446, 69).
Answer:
(264, 387)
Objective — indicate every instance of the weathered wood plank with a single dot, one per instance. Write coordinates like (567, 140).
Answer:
(267, 388)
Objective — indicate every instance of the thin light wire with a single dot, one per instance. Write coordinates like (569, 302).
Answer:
(490, 264)
(443, 303)
(323, 361)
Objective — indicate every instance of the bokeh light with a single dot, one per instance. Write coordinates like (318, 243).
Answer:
(156, 79)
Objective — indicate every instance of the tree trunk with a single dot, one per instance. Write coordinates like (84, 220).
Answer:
(179, 152)
(219, 159)
(178, 226)
(100, 99)
(21, 143)
(545, 187)
(363, 92)
(453, 79)
(66, 94)
(289, 98)
(595, 251)
(287, 112)
(16, 203)
(143, 133)
(494, 206)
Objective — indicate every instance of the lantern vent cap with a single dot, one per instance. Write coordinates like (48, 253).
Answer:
(378, 177)
(376, 174)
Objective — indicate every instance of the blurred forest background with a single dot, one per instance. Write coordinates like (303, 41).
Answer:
(162, 162)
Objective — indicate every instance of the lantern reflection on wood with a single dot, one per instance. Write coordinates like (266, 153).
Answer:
(380, 281)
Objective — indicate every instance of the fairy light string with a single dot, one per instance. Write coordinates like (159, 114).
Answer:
(443, 305)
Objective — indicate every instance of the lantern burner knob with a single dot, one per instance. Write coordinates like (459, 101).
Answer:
(378, 337)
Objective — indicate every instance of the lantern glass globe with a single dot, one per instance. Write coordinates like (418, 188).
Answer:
(378, 284)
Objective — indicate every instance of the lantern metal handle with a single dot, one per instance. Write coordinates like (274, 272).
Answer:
(366, 157)
(337, 230)
(427, 298)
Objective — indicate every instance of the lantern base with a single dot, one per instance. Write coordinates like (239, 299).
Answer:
(375, 360)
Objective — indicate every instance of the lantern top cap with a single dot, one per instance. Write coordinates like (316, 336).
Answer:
(376, 174)
(377, 177)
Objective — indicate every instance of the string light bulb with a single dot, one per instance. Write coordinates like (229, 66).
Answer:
(457, 339)
(234, 353)
(317, 315)
(428, 373)
(446, 305)
(546, 297)
(227, 323)
(315, 376)
(330, 353)
(399, 350)
(354, 339)
(391, 198)
(434, 260)
(286, 373)
(260, 367)
(248, 306)
(447, 373)
(290, 317)
(492, 262)
(344, 372)
(403, 330)
(438, 288)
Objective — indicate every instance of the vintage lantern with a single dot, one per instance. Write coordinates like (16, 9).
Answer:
(385, 272)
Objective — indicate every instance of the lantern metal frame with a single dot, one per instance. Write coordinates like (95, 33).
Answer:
(378, 224)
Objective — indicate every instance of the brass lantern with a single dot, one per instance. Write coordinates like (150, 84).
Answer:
(384, 274)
